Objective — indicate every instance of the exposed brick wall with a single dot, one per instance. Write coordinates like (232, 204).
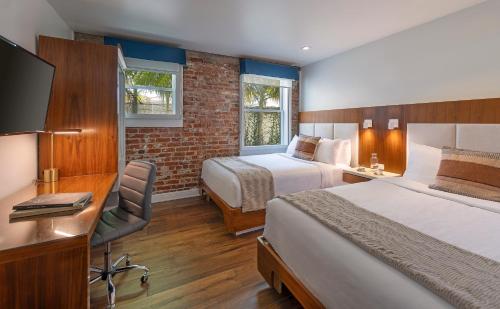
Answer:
(211, 124)
(211, 128)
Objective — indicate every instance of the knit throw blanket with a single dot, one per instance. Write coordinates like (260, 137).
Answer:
(257, 184)
(462, 278)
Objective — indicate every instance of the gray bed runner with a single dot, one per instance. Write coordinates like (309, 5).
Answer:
(257, 184)
(462, 278)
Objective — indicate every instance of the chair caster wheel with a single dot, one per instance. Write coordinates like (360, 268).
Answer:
(144, 278)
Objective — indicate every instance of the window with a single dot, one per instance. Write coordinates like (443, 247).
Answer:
(265, 111)
(153, 94)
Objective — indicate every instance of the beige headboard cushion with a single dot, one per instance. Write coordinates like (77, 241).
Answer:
(335, 130)
(482, 137)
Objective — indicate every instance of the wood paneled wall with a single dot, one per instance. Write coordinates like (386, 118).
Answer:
(84, 96)
(390, 145)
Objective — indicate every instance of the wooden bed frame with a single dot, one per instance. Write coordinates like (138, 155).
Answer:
(277, 275)
(236, 221)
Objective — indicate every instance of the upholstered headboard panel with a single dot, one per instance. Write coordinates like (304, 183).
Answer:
(483, 137)
(306, 129)
(335, 130)
(432, 134)
(323, 130)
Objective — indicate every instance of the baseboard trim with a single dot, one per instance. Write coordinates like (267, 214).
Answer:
(176, 195)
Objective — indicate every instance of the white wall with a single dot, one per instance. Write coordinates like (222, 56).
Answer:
(21, 21)
(455, 57)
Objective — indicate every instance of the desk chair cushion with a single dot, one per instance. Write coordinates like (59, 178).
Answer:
(135, 188)
(114, 224)
(134, 206)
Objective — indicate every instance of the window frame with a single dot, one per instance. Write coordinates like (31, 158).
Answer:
(286, 118)
(159, 120)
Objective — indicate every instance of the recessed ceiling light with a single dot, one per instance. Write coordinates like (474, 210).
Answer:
(306, 48)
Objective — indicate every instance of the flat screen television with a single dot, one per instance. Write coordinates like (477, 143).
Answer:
(25, 87)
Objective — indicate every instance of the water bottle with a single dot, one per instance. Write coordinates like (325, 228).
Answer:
(374, 162)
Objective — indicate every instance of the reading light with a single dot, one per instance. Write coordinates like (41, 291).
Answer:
(67, 132)
(367, 123)
(306, 48)
(393, 124)
(52, 174)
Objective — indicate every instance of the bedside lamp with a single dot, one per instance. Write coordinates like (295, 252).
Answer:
(367, 123)
(52, 174)
(393, 124)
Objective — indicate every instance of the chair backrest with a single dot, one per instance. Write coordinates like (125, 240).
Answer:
(136, 188)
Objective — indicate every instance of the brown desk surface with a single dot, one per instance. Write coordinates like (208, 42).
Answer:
(14, 235)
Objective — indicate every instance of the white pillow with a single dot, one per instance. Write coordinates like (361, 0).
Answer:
(333, 151)
(423, 163)
(293, 144)
(343, 156)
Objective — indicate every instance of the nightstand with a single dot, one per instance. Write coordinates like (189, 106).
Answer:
(351, 175)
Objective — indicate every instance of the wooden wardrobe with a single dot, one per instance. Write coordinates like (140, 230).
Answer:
(84, 96)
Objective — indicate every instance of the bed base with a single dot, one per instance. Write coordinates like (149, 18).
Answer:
(278, 275)
(236, 221)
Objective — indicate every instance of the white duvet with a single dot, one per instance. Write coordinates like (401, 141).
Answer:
(342, 275)
(290, 175)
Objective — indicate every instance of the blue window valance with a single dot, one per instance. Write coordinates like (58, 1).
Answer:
(248, 66)
(148, 51)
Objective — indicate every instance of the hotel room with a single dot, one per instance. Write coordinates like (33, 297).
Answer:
(250, 154)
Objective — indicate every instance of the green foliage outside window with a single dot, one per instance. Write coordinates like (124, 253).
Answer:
(149, 92)
(262, 114)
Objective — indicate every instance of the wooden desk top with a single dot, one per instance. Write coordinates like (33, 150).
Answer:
(20, 234)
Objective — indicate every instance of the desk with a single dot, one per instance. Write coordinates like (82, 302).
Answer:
(44, 262)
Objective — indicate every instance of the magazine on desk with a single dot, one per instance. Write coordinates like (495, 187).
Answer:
(52, 204)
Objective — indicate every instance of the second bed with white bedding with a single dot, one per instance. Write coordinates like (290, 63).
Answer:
(342, 275)
(289, 174)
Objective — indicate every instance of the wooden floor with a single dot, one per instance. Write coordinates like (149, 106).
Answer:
(194, 263)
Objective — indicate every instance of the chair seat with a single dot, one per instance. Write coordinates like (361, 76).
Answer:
(115, 224)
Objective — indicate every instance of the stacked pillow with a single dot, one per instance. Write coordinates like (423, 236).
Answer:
(423, 163)
(334, 151)
(291, 147)
(330, 151)
(470, 173)
(306, 147)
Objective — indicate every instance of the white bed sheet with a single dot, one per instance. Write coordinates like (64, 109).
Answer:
(342, 275)
(290, 175)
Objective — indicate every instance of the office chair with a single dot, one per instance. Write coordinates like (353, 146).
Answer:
(132, 214)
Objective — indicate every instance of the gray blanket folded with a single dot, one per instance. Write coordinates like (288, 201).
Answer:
(462, 278)
(257, 184)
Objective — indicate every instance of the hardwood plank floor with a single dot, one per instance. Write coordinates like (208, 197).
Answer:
(194, 263)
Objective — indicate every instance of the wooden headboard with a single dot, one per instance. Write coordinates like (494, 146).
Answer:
(390, 145)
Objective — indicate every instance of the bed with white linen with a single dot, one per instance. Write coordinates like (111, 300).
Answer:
(339, 274)
(289, 174)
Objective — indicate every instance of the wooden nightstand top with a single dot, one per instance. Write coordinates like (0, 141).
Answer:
(369, 173)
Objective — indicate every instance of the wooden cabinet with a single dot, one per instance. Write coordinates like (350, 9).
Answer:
(350, 178)
(352, 175)
(84, 96)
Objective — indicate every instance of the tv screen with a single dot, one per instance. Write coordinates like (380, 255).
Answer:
(25, 86)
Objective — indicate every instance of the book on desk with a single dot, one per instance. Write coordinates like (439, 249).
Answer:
(51, 205)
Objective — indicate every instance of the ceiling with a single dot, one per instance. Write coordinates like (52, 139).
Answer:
(273, 30)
